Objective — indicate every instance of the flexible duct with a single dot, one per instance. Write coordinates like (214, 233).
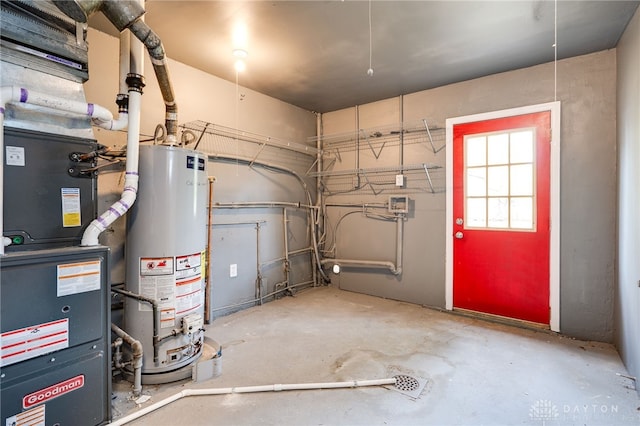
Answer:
(251, 389)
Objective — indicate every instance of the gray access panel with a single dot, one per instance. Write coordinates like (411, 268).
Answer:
(55, 324)
(43, 203)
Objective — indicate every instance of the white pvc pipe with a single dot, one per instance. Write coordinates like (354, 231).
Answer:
(251, 389)
(125, 43)
(5, 241)
(130, 191)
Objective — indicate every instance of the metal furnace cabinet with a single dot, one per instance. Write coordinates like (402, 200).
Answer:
(55, 337)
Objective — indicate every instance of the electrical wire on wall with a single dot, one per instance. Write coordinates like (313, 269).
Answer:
(366, 210)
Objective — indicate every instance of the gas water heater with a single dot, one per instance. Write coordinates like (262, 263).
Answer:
(166, 242)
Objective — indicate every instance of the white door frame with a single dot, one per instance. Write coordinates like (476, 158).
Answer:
(554, 201)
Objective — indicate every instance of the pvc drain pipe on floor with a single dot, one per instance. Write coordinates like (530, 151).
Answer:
(251, 389)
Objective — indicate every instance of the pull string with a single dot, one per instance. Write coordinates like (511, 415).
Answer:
(370, 70)
(555, 51)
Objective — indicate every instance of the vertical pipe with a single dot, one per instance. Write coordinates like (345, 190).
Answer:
(313, 213)
(258, 274)
(207, 270)
(286, 245)
(399, 243)
(319, 219)
(2, 178)
(136, 348)
(401, 153)
(125, 52)
(129, 193)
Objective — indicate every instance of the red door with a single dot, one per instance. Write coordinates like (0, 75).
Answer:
(501, 182)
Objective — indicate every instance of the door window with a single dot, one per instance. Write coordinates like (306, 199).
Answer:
(500, 181)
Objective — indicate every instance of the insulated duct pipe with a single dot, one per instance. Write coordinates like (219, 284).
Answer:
(127, 14)
(396, 269)
(99, 115)
(251, 389)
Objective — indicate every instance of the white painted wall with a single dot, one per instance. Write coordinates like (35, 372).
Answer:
(627, 318)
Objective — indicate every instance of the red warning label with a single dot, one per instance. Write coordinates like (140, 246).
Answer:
(53, 391)
(30, 342)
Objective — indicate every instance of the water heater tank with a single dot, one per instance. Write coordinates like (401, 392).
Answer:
(166, 242)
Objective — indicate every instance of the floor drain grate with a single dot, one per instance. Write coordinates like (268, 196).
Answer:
(408, 385)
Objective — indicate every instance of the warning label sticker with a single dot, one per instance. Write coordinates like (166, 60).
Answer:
(167, 318)
(78, 277)
(178, 291)
(150, 266)
(53, 391)
(33, 417)
(188, 283)
(30, 342)
(70, 207)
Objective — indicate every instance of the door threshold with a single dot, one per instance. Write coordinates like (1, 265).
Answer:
(499, 319)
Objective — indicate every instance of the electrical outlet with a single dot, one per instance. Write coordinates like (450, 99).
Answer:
(233, 270)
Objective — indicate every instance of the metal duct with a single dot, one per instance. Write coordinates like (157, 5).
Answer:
(126, 14)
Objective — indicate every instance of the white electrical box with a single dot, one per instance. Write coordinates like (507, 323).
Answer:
(398, 204)
(400, 180)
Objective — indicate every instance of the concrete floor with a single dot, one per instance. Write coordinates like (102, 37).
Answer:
(476, 372)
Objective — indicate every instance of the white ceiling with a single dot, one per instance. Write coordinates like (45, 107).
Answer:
(315, 54)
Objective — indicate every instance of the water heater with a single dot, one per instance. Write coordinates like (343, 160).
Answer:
(166, 242)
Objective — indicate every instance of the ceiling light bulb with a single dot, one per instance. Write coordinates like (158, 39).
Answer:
(336, 269)
(240, 66)
(240, 53)
(370, 72)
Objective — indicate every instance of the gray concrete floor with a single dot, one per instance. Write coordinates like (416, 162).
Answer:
(476, 372)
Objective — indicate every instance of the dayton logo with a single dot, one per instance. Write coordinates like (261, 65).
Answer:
(53, 391)
(543, 410)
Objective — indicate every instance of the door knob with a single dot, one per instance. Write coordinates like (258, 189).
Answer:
(459, 235)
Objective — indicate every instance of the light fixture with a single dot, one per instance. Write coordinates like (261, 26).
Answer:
(336, 269)
(240, 53)
(240, 65)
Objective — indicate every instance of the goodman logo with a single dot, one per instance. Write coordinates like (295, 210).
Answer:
(53, 391)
